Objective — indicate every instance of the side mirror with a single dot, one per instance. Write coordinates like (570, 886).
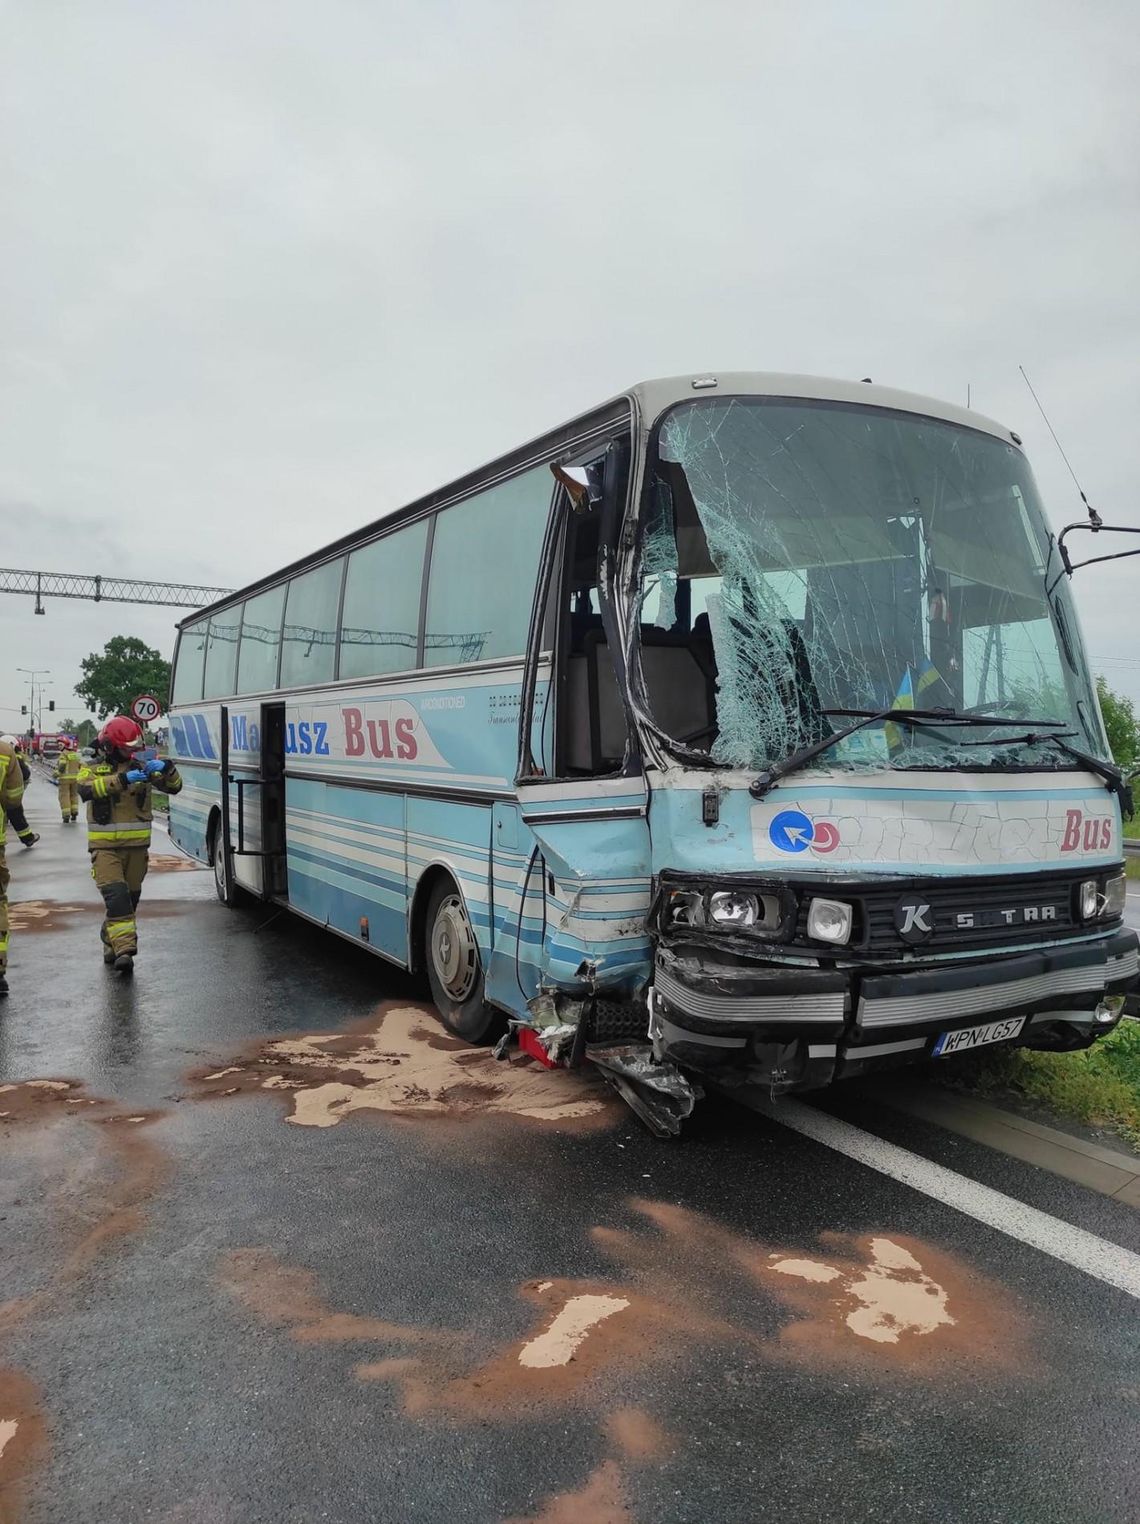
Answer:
(1069, 566)
(583, 485)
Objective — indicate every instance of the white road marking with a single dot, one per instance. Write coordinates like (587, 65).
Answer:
(1105, 1261)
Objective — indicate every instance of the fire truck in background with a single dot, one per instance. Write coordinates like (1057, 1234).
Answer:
(47, 745)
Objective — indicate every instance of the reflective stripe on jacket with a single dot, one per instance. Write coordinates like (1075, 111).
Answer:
(11, 788)
(119, 813)
(68, 764)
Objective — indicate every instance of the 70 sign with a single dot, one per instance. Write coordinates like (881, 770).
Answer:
(146, 709)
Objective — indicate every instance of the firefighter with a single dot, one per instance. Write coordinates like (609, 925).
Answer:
(116, 789)
(67, 766)
(15, 811)
(11, 792)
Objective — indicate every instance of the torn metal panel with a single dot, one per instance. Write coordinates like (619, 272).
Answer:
(656, 1090)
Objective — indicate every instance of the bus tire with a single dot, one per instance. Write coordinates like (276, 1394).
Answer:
(455, 973)
(224, 886)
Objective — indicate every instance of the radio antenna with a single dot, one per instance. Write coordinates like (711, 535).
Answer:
(1094, 517)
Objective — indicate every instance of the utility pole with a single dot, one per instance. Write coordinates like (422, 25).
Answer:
(33, 718)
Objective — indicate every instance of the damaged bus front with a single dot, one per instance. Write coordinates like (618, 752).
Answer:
(861, 740)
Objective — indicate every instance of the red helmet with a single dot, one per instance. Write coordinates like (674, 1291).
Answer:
(121, 733)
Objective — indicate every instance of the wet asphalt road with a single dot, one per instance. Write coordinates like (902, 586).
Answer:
(214, 1315)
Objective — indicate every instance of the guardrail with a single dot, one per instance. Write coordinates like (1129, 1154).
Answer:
(1131, 848)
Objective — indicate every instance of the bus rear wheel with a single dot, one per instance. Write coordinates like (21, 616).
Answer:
(224, 886)
(455, 973)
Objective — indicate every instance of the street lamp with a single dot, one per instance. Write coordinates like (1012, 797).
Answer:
(32, 675)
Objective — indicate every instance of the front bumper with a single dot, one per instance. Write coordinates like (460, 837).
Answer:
(799, 1027)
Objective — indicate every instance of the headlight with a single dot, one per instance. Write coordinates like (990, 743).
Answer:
(727, 907)
(829, 921)
(1089, 899)
(1108, 1011)
(686, 908)
(1115, 894)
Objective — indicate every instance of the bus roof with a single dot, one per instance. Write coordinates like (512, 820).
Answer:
(648, 400)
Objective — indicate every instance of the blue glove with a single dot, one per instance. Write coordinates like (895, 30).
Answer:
(136, 775)
(154, 767)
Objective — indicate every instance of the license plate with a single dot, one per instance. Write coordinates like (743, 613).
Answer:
(977, 1037)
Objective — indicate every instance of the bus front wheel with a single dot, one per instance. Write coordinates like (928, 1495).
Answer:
(455, 973)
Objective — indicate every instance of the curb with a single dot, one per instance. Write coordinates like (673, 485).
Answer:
(1100, 1169)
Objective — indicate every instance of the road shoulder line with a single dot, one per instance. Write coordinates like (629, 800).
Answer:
(1063, 1241)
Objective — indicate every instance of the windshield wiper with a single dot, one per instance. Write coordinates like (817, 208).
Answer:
(797, 759)
(953, 717)
(1114, 779)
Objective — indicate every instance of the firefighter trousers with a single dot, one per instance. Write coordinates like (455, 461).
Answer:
(119, 874)
(68, 789)
(5, 877)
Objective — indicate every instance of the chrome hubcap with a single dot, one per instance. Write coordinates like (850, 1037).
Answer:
(453, 951)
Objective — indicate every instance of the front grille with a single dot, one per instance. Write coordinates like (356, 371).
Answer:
(1010, 910)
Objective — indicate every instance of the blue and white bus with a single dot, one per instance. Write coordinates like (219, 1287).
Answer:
(743, 722)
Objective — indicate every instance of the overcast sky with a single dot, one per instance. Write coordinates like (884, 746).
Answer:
(268, 270)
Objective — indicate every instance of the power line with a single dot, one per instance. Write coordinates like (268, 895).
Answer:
(100, 589)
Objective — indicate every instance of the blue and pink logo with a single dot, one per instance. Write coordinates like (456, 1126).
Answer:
(793, 831)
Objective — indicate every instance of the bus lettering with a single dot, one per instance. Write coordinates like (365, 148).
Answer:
(406, 747)
(320, 745)
(239, 732)
(375, 736)
(1090, 833)
(353, 732)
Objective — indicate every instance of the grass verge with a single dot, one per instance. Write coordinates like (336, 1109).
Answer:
(1100, 1086)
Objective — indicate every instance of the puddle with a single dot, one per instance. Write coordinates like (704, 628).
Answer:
(404, 1064)
(41, 1100)
(884, 1297)
(35, 916)
(893, 1297)
(44, 915)
(168, 862)
(680, 1280)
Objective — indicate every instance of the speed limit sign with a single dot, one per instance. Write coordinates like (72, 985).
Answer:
(146, 709)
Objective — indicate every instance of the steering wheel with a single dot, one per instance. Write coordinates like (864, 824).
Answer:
(697, 735)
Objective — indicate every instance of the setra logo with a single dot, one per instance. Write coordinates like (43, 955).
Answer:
(793, 831)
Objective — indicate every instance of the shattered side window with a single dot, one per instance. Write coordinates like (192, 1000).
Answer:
(800, 558)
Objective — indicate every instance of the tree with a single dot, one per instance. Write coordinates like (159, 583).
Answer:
(1121, 724)
(85, 733)
(115, 676)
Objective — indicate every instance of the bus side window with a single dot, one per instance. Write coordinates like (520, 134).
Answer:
(187, 683)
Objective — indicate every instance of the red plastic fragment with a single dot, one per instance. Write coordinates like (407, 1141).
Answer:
(530, 1045)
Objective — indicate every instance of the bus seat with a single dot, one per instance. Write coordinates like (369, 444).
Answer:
(682, 693)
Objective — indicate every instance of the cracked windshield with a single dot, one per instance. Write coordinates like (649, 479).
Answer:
(821, 562)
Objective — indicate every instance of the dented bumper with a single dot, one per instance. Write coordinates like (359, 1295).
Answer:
(796, 1027)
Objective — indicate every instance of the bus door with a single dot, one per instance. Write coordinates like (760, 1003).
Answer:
(583, 829)
(253, 799)
(275, 872)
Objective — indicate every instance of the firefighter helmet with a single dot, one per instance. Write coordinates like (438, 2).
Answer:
(121, 734)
